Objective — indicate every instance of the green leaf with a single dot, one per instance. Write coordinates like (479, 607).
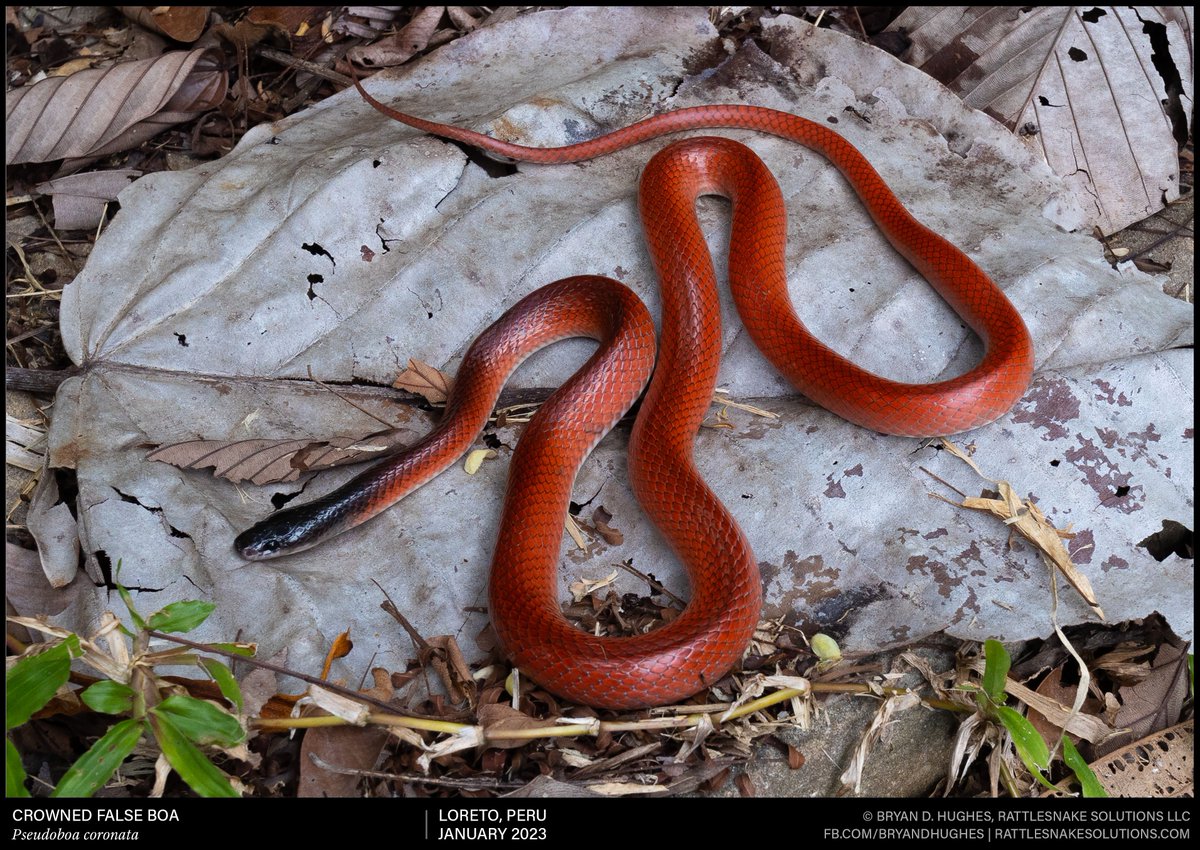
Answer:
(1087, 780)
(108, 697)
(995, 671)
(1030, 746)
(225, 681)
(32, 682)
(14, 772)
(98, 764)
(181, 616)
(128, 600)
(201, 775)
(202, 722)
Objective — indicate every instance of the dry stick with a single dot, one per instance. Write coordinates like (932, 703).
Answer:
(943, 481)
(1141, 252)
(605, 765)
(590, 727)
(304, 65)
(283, 671)
(54, 234)
(390, 607)
(654, 585)
(357, 407)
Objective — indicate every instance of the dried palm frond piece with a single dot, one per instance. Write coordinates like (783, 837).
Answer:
(1025, 518)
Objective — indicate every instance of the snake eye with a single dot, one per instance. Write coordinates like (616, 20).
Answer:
(285, 533)
(257, 544)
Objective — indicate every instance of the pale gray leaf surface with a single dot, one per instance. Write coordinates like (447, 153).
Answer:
(1084, 85)
(341, 241)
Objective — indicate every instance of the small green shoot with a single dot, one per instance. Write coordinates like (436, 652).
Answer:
(180, 724)
(1027, 741)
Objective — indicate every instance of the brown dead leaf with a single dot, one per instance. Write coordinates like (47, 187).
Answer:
(383, 688)
(399, 48)
(180, 23)
(96, 112)
(1156, 702)
(745, 784)
(444, 656)
(1160, 765)
(1053, 689)
(256, 461)
(601, 518)
(462, 18)
(499, 717)
(795, 758)
(351, 749)
(340, 451)
(289, 21)
(425, 381)
(275, 461)
(80, 199)
(1127, 663)
(262, 22)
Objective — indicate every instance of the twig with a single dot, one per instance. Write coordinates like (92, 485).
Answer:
(43, 381)
(390, 607)
(943, 481)
(357, 407)
(654, 584)
(304, 65)
(283, 671)
(54, 235)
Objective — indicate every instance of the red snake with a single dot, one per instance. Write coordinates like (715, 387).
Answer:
(708, 638)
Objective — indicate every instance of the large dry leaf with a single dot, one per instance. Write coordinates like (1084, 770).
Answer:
(331, 759)
(99, 111)
(1104, 92)
(838, 517)
(1155, 702)
(26, 588)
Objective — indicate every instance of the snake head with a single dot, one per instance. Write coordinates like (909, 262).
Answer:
(285, 533)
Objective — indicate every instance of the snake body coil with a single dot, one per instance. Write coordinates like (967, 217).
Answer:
(704, 642)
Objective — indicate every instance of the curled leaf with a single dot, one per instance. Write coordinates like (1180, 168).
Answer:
(475, 459)
(181, 23)
(425, 381)
(102, 110)
(1027, 519)
(601, 518)
(399, 48)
